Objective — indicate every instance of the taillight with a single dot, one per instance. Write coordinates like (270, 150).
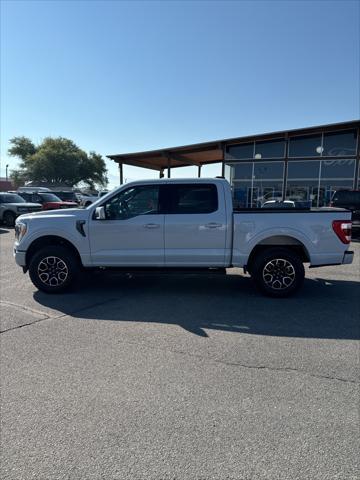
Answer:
(342, 228)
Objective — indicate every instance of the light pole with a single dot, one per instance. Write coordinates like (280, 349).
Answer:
(6, 171)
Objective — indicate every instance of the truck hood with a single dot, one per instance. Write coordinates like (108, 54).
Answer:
(76, 213)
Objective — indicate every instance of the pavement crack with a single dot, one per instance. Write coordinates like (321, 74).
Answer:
(24, 307)
(45, 315)
(244, 365)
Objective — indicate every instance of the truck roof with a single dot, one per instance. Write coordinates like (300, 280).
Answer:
(179, 180)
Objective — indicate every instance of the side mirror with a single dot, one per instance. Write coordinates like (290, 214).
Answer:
(100, 213)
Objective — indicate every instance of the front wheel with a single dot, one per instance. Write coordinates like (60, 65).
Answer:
(278, 272)
(9, 219)
(53, 269)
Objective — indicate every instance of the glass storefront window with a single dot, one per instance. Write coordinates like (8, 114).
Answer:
(242, 191)
(270, 149)
(303, 170)
(303, 192)
(337, 144)
(305, 146)
(328, 187)
(239, 152)
(338, 168)
(303, 182)
(243, 171)
(310, 182)
(269, 170)
(256, 182)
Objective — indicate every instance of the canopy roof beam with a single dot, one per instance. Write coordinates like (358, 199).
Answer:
(182, 159)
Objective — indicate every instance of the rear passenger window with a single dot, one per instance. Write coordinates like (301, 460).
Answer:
(193, 198)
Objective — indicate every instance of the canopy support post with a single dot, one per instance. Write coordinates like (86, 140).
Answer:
(199, 171)
(121, 173)
(168, 167)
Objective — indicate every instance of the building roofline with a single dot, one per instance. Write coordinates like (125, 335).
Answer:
(217, 144)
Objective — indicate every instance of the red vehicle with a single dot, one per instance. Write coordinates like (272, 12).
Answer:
(48, 200)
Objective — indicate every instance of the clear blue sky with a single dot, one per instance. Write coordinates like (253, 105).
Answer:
(119, 76)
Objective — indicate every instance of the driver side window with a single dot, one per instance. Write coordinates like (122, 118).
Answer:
(139, 200)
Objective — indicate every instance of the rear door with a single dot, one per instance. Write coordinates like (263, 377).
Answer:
(195, 225)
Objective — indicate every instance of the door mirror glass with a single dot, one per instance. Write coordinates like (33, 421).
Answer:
(100, 213)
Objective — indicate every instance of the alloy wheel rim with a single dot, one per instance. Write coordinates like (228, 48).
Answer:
(53, 271)
(279, 274)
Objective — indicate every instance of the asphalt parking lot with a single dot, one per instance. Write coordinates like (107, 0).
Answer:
(179, 377)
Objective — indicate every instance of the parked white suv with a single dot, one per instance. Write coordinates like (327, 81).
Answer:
(12, 205)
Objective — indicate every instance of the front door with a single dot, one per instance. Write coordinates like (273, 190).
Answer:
(132, 233)
(195, 226)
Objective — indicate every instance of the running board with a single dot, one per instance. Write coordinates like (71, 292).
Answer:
(167, 270)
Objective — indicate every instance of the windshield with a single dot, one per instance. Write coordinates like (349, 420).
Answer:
(49, 197)
(11, 198)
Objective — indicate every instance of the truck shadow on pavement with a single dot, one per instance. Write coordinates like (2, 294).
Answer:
(322, 309)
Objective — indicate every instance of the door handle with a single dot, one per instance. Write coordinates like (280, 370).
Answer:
(213, 225)
(151, 225)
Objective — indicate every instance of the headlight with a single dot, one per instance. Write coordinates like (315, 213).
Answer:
(20, 230)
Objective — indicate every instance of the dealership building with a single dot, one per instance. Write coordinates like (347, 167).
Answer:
(305, 165)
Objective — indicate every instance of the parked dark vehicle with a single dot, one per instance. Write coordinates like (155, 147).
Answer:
(66, 196)
(12, 205)
(349, 199)
(48, 200)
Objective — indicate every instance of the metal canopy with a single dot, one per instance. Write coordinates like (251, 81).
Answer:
(206, 153)
(176, 157)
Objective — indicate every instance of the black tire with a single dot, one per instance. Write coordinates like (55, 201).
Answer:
(278, 272)
(53, 269)
(9, 219)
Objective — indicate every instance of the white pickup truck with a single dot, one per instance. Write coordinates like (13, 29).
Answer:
(180, 224)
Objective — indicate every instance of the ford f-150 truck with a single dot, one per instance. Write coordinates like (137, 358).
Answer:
(181, 224)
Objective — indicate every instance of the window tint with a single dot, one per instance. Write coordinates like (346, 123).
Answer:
(66, 196)
(49, 197)
(241, 171)
(245, 150)
(303, 170)
(309, 146)
(347, 197)
(140, 200)
(11, 198)
(193, 198)
(340, 143)
(338, 168)
(270, 149)
(25, 196)
(268, 170)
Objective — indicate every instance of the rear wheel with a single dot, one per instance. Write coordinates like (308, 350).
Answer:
(9, 219)
(53, 269)
(278, 272)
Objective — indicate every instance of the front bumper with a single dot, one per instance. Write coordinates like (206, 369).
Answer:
(20, 257)
(348, 257)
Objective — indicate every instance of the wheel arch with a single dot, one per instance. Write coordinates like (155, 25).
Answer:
(280, 241)
(8, 211)
(51, 240)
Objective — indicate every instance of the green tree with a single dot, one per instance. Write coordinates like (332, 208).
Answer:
(57, 160)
